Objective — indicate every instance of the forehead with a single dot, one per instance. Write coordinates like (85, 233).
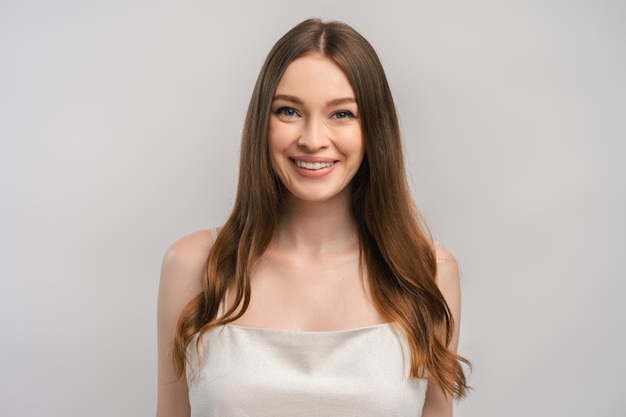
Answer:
(315, 75)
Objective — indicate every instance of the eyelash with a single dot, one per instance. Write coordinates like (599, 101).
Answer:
(347, 113)
(282, 111)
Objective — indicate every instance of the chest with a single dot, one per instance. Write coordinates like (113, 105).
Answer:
(315, 295)
(260, 372)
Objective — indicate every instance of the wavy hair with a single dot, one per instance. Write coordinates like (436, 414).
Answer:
(395, 245)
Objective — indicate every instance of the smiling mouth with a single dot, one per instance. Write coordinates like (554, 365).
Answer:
(313, 166)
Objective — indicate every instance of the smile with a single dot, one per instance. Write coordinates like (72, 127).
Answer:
(314, 166)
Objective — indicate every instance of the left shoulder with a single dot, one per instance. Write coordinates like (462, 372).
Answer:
(449, 284)
(447, 268)
(436, 402)
(443, 255)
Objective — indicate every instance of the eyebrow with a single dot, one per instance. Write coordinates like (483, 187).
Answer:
(286, 97)
(340, 101)
(296, 100)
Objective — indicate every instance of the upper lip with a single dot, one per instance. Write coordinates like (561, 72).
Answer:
(306, 158)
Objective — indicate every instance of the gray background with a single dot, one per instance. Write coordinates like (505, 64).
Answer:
(120, 125)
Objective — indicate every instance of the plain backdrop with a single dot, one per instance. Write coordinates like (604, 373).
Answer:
(119, 130)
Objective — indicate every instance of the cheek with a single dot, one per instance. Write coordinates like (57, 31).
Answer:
(353, 142)
(279, 136)
(277, 140)
(274, 153)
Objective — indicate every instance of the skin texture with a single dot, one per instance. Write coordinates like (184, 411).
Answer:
(310, 278)
(315, 119)
(181, 279)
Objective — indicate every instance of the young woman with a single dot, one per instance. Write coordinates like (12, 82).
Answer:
(322, 294)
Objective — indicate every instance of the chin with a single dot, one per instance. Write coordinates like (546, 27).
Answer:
(320, 197)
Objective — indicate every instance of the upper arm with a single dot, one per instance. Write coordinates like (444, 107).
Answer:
(449, 284)
(438, 404)
(181, 280)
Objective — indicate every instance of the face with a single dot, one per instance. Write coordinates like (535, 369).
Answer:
(315, 138)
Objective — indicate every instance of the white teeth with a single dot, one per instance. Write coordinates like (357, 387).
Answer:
(313, 165)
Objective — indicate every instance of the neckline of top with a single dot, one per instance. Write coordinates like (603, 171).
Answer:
(312, 332)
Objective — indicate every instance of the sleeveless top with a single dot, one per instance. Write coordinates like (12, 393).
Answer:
(242, 371)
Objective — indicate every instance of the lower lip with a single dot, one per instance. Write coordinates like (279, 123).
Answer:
(314, 173)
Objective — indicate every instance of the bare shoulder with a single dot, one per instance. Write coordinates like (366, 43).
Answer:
(447, 268)
(190, 248)
(449, 284)
(437, 403)
(181, 280)
(443, 255)
(182, 272)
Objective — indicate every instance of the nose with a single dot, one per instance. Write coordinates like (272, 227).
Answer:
(315, 136)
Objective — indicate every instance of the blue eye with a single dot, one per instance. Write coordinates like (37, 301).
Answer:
(286, 111)
(344, 114)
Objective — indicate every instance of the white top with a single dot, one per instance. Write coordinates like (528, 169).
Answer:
(263, 372)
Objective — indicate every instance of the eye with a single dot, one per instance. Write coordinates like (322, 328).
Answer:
(343, 114)
(286, 111)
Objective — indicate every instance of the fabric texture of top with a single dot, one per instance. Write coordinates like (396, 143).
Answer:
(245, 371)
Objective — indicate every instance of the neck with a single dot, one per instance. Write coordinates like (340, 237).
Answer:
(317, 227)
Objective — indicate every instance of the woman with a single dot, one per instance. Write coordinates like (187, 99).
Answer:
(322, 293)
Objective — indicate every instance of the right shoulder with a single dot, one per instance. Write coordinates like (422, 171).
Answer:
(182, 275)
(189, 250)
(183, 264)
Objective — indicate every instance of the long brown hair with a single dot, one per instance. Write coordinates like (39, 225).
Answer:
(397, 250)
